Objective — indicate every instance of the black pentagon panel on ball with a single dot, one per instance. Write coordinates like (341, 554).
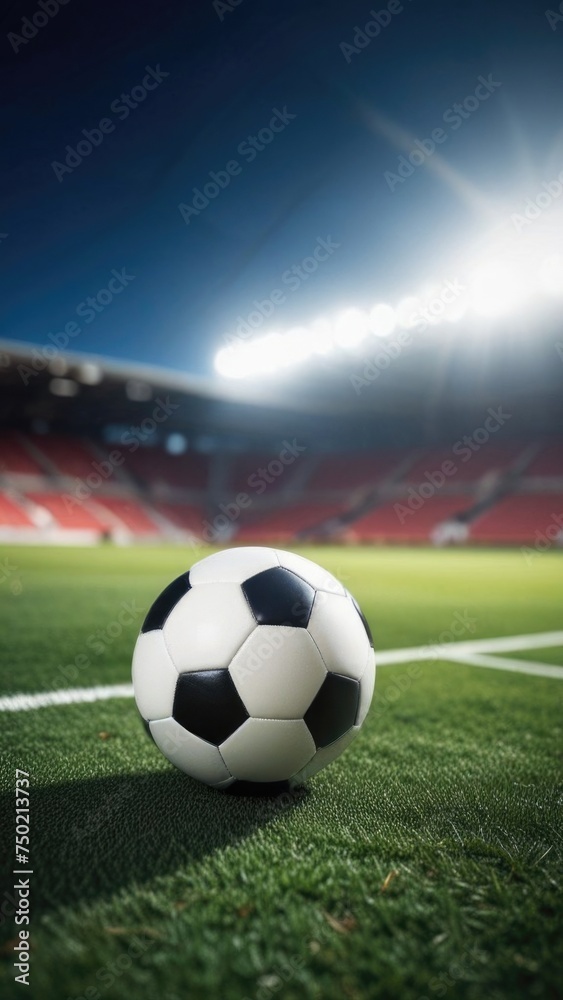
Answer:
(333, 711)
(279, 597)
(362, 616)
(207, 704)
(166, 602)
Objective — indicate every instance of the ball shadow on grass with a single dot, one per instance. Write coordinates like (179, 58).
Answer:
(90, 838)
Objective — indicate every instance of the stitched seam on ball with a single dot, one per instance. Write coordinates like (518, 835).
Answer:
(260, 718)
(169, 653)
(323, 661)
(225, 762)
(244, 641)
(244, 594)
(364, 671)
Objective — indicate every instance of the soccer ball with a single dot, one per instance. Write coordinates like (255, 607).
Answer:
(256, 666)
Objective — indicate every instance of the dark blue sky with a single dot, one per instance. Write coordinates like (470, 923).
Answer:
(321, 176)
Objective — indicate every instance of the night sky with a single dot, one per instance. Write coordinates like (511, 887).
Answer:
(219, 76)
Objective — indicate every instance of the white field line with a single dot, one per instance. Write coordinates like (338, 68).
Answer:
(72, 696)
(505, 644)
(456, 652)
(504, 663)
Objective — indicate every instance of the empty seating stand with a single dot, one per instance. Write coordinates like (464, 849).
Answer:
(348, 472)
(286, 523)
(400, 522)
(68, 456)
(66, 513)
(153, 467)
(12, 515)
(521, 520)
(129, 513)
(15, 458)
(504, 493)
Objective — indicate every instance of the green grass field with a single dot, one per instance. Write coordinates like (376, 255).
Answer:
(424, 863)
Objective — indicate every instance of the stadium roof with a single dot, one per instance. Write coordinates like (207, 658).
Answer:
(418, 391)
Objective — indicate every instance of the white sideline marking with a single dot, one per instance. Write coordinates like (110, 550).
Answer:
(504, 663)
(472, 653)
(505, 644)
(72, 696)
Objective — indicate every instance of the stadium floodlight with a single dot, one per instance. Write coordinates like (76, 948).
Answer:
(232, 362)
(58, 365)
(551, 275)
(456, 311)
(507, 271)
(63, 387)
(176, 444)
(138, 391)
(297, 343)
(350, 328)
(495, 290)
(407, 312)
(89, 373)
(382, 320)
(321, 336)
(268, 354)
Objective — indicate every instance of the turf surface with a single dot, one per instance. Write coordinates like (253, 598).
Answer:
(424, 863)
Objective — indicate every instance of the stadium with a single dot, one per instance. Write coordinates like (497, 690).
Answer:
(312, 399)
(96, 450)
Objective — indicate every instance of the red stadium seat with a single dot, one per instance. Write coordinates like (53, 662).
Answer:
(14, 457)
(70, 456)
(129, 512)
(469, 465)
(520, 520)
(247, 473)
(398, 522)
(77, 516)
(548, 461)
(340, 472)
(183, 516)
(285, 523)
(153, 466)
(12, 515)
